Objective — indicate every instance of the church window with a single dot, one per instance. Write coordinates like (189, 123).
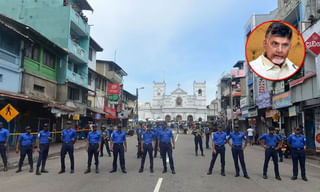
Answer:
(200, 92)
(179, 101)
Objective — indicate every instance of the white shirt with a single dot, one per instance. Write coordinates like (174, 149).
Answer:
(265, 68)
(250, 132)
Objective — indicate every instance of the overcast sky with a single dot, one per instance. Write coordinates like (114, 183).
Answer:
(176, 41)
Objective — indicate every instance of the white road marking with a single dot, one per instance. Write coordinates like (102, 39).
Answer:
(157, 188)
(313, 165)
(176, 137)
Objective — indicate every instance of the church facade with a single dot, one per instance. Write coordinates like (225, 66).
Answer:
(177, 106)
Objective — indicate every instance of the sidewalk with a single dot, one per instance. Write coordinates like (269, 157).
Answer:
(13, 157)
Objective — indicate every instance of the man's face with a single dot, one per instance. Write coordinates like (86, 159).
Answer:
(68, 126)
(45, 128)
(297, 131)
(28, 131)
(277, 49)
(271, 132)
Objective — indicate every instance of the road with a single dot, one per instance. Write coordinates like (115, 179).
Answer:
(191, 174)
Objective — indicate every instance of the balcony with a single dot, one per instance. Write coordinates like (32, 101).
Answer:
(76, 78)
(77, 53)
(78, 24)
(114, 77)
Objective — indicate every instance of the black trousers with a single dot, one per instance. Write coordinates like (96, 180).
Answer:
(139, 153)
(166, 148)
(299, 156)
(147, 148)
(43, 155)
(237, 154)
(156, 151)
(207, 140)
(93, 150)
(198, 141)
(26, 150)
(67, 148)
(3, 154)
(271, 152)
(118, 149)
(280, 154)
(222, 152)
(105, 142)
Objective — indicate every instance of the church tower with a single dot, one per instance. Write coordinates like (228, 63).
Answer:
(159, 92)
(199, 92)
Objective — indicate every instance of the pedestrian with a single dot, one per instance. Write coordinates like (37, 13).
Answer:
(107, 139)
(139, 134)
(281, 136)
(69, 138)
(166, 144)
(237, 149)
(118, 146)
(219, 139)
(176, 127)
(297, 142)
(4, 139)
(156, 129)
(208, 133)
(25, 144)
(197, 132)
(269, 142)
(44, 138)
(147, 146)
(93, 148)
(250, 132)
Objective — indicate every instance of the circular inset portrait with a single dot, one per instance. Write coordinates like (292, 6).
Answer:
(275, 50)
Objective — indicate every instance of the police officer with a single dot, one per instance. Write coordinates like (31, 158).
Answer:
(156, 129)
(103, 134)
(68, 137)
(4, 139)
(44, 138)
(269, 142)
(25, 142)
(107, 135)
(165, 146)
(139, 134)
(297, 142)
(207, 132)
(281, 136)
(147, 146)
(237, 150)
(118, 145)
(93, 148)
(219, 139)
(197, 132)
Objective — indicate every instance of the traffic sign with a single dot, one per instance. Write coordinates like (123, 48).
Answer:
(8, 112)
(98, 116)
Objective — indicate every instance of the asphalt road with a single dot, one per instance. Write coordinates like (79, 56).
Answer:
(191, 174)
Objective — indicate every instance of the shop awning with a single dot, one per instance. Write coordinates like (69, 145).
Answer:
(20, 97)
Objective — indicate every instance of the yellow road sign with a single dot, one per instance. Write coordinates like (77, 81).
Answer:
(9, 112)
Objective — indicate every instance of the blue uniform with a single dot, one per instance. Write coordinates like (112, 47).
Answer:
(298, 153)
(165, 136)
(270, 141)
(94, 137)
(147, 137)
(26, 141)
(156, 131)
(67, 147)
(219, 140)
(281, 136)
(4, 134)
(43, 137)
(237, 152)
(118, 148)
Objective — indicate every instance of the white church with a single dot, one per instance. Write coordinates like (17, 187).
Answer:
(178, 106)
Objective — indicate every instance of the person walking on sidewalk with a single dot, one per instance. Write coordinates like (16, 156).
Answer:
(69, 138)
(237, 150)
(250, 132)
(219, 139)
(25, 144)
(269, 142)
(297, 142)
(4, 139)
(165, 146)
(148, 144)
(44, 138)
(118, 146)
(93, 148)
(139, 134)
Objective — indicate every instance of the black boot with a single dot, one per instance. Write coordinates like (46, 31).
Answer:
(5, 168)
(43, 170)
(88, 170)
(19, 169)
(37, 171)
(97, 169)
(31, 170)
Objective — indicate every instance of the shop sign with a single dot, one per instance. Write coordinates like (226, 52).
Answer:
(253, 113)
(317, 129)
(263, 100)
(271, 113)
(292, 111)
(313, 43)
(281, 100)
(243, 102)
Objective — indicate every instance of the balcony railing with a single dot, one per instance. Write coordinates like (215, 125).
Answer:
(78, 51)
(78, 20)
(77, 78)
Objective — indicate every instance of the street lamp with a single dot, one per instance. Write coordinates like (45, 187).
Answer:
(137, 94)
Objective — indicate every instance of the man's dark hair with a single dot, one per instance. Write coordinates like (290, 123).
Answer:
(279, 29)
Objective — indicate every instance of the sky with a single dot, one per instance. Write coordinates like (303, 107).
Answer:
(176, 41)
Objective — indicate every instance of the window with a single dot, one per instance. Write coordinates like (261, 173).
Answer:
(103, 84)
(89, 78)
(90, 54)
(1, 78)
(75, 68)
(9, 42)
(38, 88)
(98, 83)
(73, 94)
(200, 92)
(49, 59)
(69, 66)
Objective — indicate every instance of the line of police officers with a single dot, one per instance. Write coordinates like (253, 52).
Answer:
(159, 139)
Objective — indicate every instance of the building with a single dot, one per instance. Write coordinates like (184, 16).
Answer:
(178, 106)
